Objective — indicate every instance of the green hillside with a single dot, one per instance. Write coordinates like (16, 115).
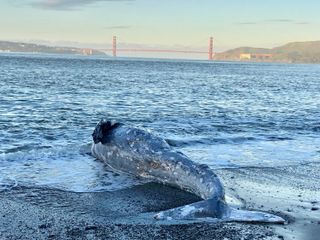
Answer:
(247, 50)
(308, 52)
(6, 46)
(295, 52)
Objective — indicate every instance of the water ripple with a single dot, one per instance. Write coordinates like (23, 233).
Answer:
(222, 114)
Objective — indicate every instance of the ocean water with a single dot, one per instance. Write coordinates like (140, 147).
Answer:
(224, 114)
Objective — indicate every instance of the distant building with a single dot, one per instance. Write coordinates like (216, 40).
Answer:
(87, 51)
(245, 56)
(255, 56)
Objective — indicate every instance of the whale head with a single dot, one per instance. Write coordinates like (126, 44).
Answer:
(102, 129)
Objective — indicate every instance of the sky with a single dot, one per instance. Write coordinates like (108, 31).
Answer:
(165, 23)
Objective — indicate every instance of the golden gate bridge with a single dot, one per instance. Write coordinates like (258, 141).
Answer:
(115, 49)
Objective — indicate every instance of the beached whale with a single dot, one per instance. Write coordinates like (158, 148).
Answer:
(143, 154)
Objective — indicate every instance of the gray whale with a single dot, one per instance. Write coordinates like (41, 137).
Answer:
(143, 154)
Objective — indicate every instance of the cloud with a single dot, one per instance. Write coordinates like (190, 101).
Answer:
(270, 21)
(247, 23)
(287, 21)
(280, 20)
(67, 4)
(302, 23)
(119, 27)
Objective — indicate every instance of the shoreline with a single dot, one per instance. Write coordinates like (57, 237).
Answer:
(132, 58)
(291, 192)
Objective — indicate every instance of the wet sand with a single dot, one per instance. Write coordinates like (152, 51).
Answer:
(291, 192)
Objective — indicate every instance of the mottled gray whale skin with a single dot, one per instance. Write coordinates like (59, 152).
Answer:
(143, 154)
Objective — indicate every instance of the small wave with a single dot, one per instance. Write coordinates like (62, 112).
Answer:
(69, 168)
(264, 153)
(183, 143)
(316, 129)
(7, 184)
(223, 140)
(278, 138)
(208, 141)
(24, 148)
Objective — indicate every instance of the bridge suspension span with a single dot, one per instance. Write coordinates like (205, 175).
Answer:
(115, 49)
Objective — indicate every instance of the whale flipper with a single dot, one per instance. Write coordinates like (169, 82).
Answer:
(219, 211)
(187, 212)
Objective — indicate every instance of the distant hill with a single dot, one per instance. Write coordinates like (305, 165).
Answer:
(295, 52)
(35, 48)
(308, 52)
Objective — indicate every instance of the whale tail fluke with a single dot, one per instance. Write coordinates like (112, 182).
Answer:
(216, 210)
(239, 215)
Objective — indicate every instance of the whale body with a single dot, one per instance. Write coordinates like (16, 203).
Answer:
(140, 153)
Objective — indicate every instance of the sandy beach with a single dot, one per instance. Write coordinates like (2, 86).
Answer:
(291, 192)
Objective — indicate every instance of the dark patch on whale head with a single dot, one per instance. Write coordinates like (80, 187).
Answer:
(102, 130)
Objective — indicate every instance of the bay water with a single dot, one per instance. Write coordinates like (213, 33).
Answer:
(224, 114)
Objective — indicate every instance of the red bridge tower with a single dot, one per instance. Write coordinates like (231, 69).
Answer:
(210, 48)
(114, 46)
